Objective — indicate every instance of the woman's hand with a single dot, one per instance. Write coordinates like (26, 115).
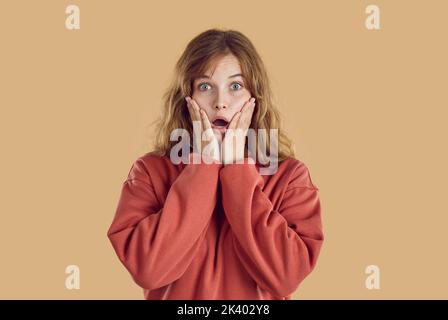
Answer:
(235, 137)
(210, 148)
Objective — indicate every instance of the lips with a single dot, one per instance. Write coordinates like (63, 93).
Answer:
(219, 122)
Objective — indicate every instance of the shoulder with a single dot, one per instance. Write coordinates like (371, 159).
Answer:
(148, 165)
(298, 173)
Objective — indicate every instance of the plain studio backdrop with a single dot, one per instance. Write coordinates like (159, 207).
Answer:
(366, 110)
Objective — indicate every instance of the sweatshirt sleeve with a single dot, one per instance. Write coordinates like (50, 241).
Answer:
(278, 248)
(157, 242)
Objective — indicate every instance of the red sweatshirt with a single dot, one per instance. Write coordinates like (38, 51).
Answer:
(213, 231)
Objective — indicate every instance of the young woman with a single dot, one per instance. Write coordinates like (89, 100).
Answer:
(218, 229)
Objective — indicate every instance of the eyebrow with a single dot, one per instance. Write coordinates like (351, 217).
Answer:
(232, 76)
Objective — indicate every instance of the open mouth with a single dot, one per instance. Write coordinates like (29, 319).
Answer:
(220, 123)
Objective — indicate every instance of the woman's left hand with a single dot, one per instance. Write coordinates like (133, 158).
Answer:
(234, 141)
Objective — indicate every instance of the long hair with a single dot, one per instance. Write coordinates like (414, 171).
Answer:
(201, 53)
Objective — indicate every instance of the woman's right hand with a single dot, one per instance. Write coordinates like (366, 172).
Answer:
(210, 146)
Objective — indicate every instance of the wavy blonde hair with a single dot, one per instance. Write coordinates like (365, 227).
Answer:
(201, 53)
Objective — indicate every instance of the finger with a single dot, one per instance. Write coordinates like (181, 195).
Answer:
(195, 109)
(246, 113)
(196, 112)
(197, 121)
(205, 121)
(191, 110)
(195, 105)
(247, 106)
(234, 121)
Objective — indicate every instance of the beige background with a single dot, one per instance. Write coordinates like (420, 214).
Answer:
(366, 110)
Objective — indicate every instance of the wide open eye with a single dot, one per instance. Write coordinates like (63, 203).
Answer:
(237, 86)
(202, 86)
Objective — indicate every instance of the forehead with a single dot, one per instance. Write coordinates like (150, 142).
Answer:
(223, 68)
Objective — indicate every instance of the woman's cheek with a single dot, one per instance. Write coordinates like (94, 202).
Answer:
(242, 101)
(202, 100)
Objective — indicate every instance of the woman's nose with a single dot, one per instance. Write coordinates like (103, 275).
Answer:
(221, 100)
(220, 106)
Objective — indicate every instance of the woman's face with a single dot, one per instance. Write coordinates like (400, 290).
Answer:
(224, 92)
